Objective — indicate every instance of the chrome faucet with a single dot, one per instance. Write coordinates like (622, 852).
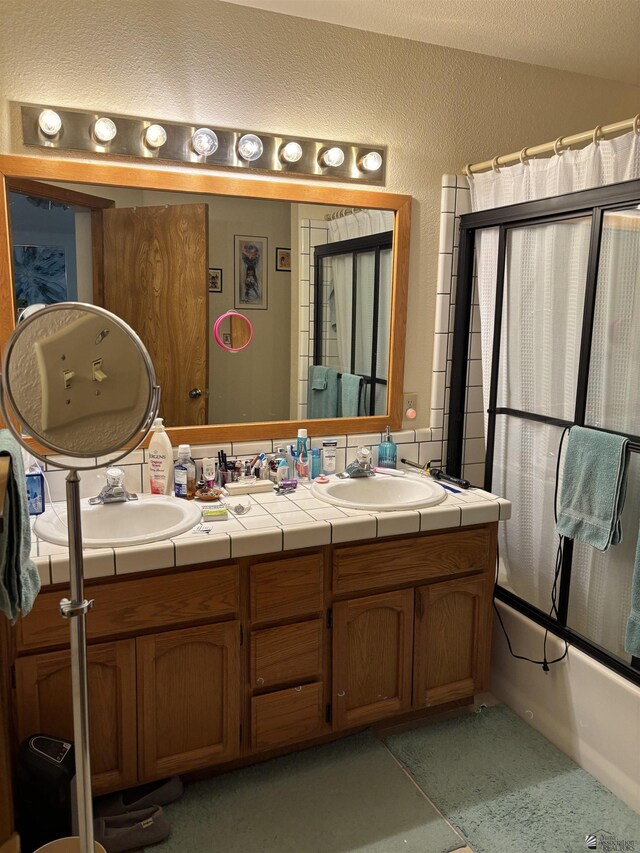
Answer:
(114, 491)
(361, 465)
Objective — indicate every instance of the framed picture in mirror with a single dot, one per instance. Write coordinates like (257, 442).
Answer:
(251, 272)
(283, 260)
(215, 280)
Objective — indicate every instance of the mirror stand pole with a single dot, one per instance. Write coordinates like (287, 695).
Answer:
(76, 610)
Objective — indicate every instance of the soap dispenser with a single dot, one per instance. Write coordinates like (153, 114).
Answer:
(387, 451)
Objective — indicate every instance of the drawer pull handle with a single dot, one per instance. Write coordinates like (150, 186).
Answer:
(298, 689)
(260, 680)
(341, 693)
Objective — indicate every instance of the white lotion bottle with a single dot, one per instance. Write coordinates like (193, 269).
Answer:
(160, 461)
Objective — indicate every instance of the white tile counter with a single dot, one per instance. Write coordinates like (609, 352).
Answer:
(274, 523)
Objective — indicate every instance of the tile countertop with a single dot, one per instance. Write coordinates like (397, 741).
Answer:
(274, 523)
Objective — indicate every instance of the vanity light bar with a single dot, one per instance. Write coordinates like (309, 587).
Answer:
(204, 145)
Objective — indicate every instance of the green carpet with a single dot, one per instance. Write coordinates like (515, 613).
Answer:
(347, 796)
(508, 790)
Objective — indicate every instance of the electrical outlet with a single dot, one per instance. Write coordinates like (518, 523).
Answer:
(409, 401)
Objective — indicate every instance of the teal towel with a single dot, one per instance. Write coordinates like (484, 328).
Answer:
(632, 636)
(350, 386)
(594, 486)
(19, 578)
(322, 394)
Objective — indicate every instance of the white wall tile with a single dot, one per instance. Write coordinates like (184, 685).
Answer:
(246, 448)
(474, 451)
(442, 313)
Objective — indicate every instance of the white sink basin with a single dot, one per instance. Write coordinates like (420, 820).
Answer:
(150, 518)
(380, 493)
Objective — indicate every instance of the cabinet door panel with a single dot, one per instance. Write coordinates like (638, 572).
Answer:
(188, 699)
(452, 640)
(372, 657)
(287, 716)
(288, 587)
(43, 701)
(290, 653)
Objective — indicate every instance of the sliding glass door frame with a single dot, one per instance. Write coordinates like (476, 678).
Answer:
(593, 203)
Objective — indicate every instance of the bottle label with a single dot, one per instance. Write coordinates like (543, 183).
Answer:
(181, 481)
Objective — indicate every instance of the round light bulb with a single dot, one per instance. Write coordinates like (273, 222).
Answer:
(291, 152)
(204, 141)
(250, 147)
(155, 136)
(371, 162)
(333, 157)
(104, 130)
(49, 122)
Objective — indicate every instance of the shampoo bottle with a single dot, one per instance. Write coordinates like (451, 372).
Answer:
(185, 473)
(387, 451)
(160, 463)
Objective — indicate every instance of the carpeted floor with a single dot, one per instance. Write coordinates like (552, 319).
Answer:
(508, 790)
(350, 796)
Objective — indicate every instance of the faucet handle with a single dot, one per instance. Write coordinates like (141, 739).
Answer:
(363, 456)
(115, 477)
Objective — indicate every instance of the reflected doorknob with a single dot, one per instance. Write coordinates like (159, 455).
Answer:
(195, 393)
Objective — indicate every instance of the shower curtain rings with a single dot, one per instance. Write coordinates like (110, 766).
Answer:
(596, 133)
(557, 145)
(494, 164)
(636, 124)
(467, 169)
(523, 157)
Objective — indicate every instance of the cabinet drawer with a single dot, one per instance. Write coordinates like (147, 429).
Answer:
(415, 558)
(286, 654)
(284, 588)
(132, 606)
(288, 716)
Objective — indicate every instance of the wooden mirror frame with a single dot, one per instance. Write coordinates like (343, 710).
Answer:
(196, 180)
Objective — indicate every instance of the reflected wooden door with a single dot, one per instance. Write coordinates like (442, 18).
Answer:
(156, 263)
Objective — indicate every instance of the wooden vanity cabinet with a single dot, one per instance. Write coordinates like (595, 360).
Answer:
(286, 651)
(206, 666)
(43, 704)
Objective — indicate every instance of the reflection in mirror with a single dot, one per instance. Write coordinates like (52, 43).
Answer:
(233, 331)
(78, 380)
(147, 255)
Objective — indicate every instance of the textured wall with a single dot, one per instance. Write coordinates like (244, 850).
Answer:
(212, 62)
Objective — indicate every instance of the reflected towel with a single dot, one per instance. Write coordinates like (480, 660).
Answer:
(322, 394)
(594, 486)
(318, 377)
(350, 388)
(19, 578)
(632, 635)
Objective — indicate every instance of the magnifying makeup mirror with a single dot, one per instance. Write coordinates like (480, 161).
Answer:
(233, 331)
(78, 380)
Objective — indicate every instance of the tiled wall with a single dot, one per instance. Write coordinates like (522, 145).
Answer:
(456, 200)
(313, 232)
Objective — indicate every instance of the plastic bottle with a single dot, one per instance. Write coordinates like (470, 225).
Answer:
(185, 473)
(315, 462)
(329, 451)
(302, 455)
(160, 465)
(387, 451)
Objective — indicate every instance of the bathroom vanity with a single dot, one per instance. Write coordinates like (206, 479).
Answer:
(226, 662)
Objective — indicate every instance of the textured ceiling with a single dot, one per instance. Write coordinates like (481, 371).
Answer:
(595, 37)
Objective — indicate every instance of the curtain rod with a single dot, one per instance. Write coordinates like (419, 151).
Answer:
(562, 142)
(345, 211)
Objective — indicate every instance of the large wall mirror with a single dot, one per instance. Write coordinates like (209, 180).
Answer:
(319, 271)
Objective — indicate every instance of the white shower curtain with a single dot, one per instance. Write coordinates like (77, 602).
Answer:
(361, 223)
(542, 312)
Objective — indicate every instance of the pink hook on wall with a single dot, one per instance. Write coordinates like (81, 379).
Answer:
(216, 331)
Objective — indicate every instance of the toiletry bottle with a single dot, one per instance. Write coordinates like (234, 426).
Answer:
(302, 454)
(387, 451)
(185, 473)
(160, 465)
(315, 462)
(329, 451)
(282, 472)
